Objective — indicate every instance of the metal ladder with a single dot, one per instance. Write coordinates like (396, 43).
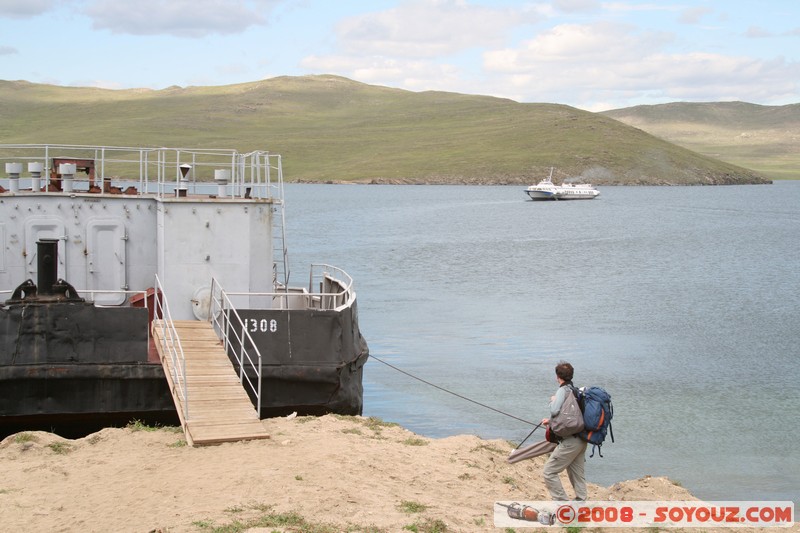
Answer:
(280, 255)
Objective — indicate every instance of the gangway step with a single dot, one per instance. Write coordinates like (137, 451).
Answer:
(219, 409)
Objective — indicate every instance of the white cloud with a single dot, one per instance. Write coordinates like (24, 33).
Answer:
(429, 28)
(8, 50)
(757, 32)
(180, 18)
(21, 9)
(409, 46)
(693, 15)
(610, 62)
(573, 6)
(98, 84)
(595, 66)
(601, 43)
(411, 74)
(629, 7)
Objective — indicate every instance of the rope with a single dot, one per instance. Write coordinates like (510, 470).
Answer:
(451, 392)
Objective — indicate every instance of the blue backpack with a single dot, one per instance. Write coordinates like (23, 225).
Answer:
(598, 411)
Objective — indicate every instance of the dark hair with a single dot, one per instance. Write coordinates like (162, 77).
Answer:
(564, 370)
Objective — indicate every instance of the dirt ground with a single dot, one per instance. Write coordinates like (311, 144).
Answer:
(325, 474)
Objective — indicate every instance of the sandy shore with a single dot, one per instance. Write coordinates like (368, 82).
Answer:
(325, 474)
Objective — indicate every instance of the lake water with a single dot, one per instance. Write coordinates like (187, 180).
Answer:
(683, 302)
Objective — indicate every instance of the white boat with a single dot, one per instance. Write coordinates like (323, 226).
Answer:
(547, 190)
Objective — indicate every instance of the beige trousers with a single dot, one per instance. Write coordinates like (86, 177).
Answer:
(569, 455)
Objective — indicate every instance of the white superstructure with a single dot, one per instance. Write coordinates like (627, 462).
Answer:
(123, 215)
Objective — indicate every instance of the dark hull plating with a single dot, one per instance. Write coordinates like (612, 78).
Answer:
(74, 400)
(67, 366)
(312, 360)
(73, 368)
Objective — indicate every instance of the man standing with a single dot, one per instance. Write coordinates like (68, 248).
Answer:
(570, 452)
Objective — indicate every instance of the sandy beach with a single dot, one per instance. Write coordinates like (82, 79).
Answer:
(322, 474)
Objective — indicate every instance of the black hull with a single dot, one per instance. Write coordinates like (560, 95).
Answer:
(321, 370)
(74, 369)
(75, 400)
(311, 391)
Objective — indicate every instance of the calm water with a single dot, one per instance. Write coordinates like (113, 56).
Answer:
(683, 302)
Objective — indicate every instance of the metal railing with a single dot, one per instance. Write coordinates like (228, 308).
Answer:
(329, 289)
(162, 171)
(171, 346)
(335, 286)
(89, 295)
(236, 339)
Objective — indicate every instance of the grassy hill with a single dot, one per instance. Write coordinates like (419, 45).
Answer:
(763, 138)
(330, 128)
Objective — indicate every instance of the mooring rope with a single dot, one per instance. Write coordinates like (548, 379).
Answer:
(451, 392)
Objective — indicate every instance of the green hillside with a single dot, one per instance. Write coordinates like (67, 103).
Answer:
(763, 138)
(329, 128)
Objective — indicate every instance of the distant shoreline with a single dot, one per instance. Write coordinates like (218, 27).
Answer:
(517, 182)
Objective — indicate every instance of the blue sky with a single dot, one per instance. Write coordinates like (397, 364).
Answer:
(590, 54)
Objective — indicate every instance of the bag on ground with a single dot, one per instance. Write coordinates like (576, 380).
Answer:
(597, 414)
(569, 419)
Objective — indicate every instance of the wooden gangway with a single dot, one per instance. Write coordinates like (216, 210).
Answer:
(219, 409)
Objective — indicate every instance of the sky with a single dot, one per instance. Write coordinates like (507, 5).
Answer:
(591, 54)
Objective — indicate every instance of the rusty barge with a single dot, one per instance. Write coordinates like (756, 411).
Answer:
(99, 243)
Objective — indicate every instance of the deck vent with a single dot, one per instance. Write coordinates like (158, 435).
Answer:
(35, 168)
(183, 184)
(222, 176)
(13, 170)
(67, 171)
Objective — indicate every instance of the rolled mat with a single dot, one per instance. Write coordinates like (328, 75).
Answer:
(529, 452)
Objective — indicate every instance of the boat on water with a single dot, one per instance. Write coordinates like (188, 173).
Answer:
(98, 244)
(547, 190)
